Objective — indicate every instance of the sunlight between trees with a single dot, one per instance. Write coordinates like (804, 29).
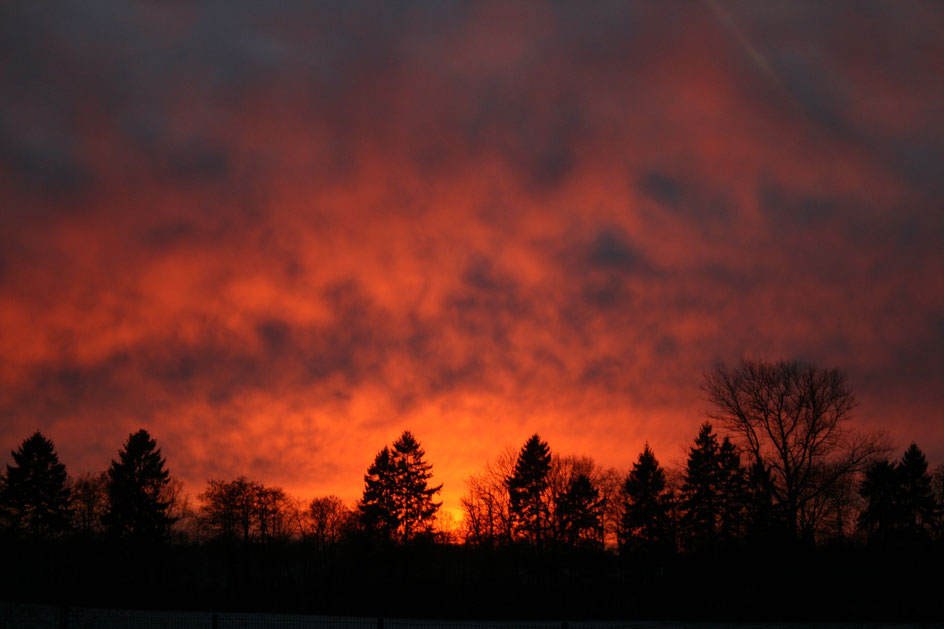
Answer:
(789, 466)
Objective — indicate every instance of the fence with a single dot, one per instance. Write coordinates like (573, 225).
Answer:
(24, 616)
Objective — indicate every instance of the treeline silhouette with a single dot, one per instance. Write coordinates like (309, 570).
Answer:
(788, 514)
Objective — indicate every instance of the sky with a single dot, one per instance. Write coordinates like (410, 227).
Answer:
(276, 235)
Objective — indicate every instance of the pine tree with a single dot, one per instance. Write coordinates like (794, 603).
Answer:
(580, 513)
(378, 507)
(901, 504)
(645, 520)
(881, 517)
(416, 504)
(712, 489)
(398, 502)
(34, 498)
(137, 507)
(526, 489)
(918, 507)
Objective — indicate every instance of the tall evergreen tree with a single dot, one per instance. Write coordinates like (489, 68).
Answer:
(580, 513)
(34, 495)
(526, 489)
(645, 520)
(416, 504)
(881, 517)
(712, 489)
(918, 507)
(398, 502)
(378, 507)
(901, 504)
(137, 506)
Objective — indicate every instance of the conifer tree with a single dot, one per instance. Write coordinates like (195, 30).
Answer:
(645, 520)
(378, 507)
(526, 488)
(580, 513)
(415, 496)
(34, 495)
(137, 507)
(398, 502)
(918, 507)
(712, 489)
(901, 504)
(881, 517)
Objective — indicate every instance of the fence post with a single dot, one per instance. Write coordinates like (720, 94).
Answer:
(215, 621)
(380, 622)
(64, 617)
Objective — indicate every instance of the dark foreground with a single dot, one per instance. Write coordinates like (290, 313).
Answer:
(744, 583)
(43, 617)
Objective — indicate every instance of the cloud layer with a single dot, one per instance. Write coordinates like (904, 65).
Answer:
(277, 236)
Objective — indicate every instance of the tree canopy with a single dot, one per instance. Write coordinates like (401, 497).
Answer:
(526, 488)
(793, 419)
(645, 522)
(397, 503)
(138, 507)
(34, 494)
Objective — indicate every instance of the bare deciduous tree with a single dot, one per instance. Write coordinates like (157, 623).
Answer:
(326, 520)
(487, 505)
(793, 418)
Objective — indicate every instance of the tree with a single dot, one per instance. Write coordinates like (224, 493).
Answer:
(793, 419)
(487, 505)
(326, 520)
(89, 502)
(712, 493)
(34, 498)
(881, 517)
(917, 503)
(579, 511)
(526, 489)
(937, 484)
(380, 513)
(138, 505)
(398, 502)
(247, 510)
(417, 508)
(645, 522)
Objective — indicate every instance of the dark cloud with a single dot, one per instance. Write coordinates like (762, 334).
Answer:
(261, 229)
(662, 188)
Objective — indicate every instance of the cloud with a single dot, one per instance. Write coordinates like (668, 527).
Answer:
(279, 235)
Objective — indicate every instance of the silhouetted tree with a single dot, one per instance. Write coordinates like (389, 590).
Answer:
(227, 509)
(794, 419)
(645, 521)
(881, 517)
(138, 506)
(398, 503)
(277, 514)
(487, 505)
(248, 510)
(89, 502)
(579, 511)
(712, 492)
(326, 520)
(526, 489)
(417, 509)
(937, 484)
(34, 495)
(901, 504)
(918, 506)
(380, 513)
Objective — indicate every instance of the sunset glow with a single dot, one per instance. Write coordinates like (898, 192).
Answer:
(278, 235)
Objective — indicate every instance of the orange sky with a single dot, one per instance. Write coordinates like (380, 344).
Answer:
(276, 237)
